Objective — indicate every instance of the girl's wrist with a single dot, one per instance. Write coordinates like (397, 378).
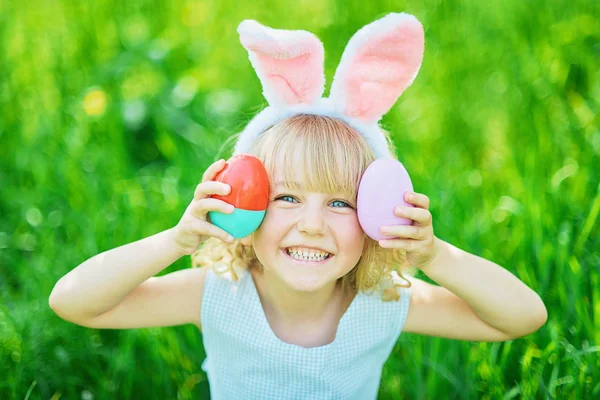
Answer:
(431, 267)
(171, 236)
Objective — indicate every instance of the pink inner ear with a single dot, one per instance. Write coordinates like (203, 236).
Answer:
(381, 70)
(293, 79)
(288, 63)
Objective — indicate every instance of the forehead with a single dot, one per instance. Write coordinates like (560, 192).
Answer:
(313, 180)
(280, 177)
(315, 160)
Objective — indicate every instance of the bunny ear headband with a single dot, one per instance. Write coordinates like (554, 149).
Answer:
(380, 61)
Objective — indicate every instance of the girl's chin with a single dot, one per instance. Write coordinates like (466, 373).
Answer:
(304, 284)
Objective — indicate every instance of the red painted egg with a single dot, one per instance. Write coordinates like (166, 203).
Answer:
(249, 183)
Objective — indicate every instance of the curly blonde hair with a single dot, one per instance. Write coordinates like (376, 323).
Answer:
(333, 158)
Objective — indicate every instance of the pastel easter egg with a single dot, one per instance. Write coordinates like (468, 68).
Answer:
(249, 195)
(381, 189)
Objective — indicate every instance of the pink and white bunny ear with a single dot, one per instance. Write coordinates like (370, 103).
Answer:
(288, 63)
(380, 61)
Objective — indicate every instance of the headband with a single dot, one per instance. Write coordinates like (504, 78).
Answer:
(379, 62)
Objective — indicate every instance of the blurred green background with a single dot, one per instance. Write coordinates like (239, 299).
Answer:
(111, 111)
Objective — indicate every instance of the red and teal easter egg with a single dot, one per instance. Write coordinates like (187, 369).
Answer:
(249, 182)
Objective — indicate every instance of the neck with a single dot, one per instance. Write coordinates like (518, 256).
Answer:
(293, 306)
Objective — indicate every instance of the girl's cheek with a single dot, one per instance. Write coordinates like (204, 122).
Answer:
(276, 214)
(347, 223)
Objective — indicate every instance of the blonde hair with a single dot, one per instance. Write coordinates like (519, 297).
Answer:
(332, 157)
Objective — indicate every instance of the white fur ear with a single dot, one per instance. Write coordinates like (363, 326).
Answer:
(380, 61)
(288, 63)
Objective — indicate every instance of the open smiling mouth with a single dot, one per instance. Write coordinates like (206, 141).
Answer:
(314, 257)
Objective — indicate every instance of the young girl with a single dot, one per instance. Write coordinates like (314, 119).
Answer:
(307, 306)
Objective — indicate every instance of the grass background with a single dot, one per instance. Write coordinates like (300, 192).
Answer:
(111, 111)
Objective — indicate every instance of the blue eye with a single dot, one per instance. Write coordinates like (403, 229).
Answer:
(286, 199)
(343, 203)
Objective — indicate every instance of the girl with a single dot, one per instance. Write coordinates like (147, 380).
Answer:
(307, 306)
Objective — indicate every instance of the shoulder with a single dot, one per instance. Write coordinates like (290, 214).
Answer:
(188, 285)
(217, 282)
(186, 288)
(394, 287)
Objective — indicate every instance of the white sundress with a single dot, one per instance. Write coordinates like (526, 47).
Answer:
(246, 360)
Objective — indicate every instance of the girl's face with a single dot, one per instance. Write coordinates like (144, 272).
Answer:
(308, 240)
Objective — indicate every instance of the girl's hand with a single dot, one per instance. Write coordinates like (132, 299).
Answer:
(417, 239)
(194, 227)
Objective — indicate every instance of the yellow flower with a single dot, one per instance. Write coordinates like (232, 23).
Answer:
(94, 103)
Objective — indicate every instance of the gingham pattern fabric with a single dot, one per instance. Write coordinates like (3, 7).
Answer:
(245, 360)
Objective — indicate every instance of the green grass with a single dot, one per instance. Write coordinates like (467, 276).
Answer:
(112, 110)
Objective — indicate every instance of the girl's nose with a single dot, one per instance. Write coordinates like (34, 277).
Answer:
(311, 222)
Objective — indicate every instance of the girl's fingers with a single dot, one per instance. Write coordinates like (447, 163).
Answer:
(212, 170)
(203, 228)
(208, 188)
(418, 199)
(420, 215)
(406, 244)
(404, 231)
(201, 207)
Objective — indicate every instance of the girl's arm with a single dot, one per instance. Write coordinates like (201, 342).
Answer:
(116, 289)
(103, 281)
(477, 300)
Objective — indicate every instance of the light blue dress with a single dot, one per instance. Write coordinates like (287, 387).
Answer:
(245, 360)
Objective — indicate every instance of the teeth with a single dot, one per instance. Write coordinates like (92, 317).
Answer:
(306, 254)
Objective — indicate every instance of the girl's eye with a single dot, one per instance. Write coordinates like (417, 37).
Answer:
(335, 203)
(340, 203)
(286, 198)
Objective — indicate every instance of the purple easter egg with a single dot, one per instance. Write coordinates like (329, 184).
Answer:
(382, 188)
